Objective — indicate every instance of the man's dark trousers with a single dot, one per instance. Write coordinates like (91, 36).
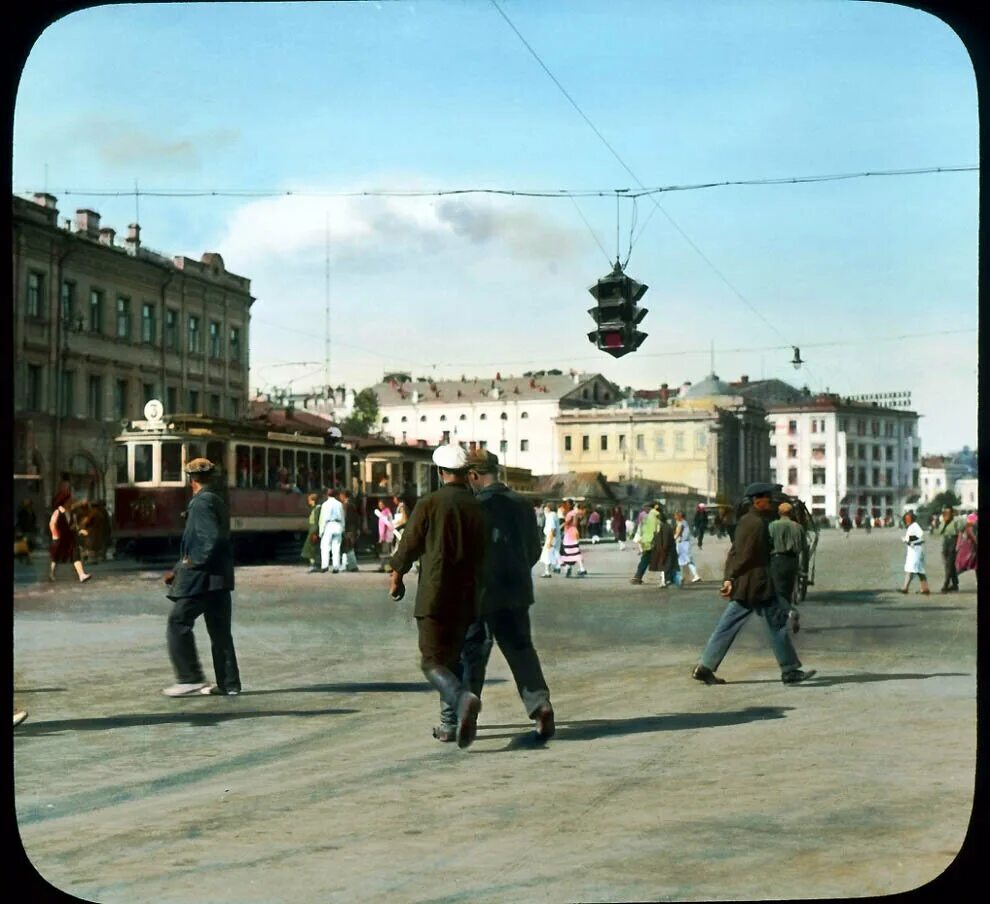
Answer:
(644, 563)
(783, 574)
(215, 607)
(510, 628)
(951, 581)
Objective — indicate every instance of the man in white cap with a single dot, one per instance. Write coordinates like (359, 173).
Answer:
(201, 585)
(748, 588)
(447, 533)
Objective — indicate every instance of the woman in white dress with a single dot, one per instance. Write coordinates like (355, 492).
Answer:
(914, 561)
(551, 530)
(682, 541)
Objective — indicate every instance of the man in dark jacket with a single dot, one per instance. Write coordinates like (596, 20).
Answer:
(201, 585)
(748, 588)
(446, 532)
(514, 547)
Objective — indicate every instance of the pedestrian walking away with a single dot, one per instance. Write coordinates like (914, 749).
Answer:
(352, 527)
(386, 532)
(64, 547)
(513, 548)
(914, 558)
(619, 527)
(311, 546)
(201, 584)
(682, 537)
(551, 529)
(947, 530)
(570, 554)
(748, 588)
(331, 532)
(786, 545)
(966, 546)
(700, 525)
(447, 533)
(644, 537)
(663, 557)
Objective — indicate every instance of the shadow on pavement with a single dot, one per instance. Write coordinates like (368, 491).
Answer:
(863, 627)
(143, 720)
(591, 729)
(844, 597)
(360, 687)
(862, 678)
(923, 608)
(39, 690)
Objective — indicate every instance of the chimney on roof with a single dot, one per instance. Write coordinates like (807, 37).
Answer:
(45, 200)
(576, 376)
(744, 378)
(88, 222)
(664, 394)
(106, 235)
(133, 240)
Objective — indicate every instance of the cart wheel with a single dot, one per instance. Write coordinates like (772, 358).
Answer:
(802, 587)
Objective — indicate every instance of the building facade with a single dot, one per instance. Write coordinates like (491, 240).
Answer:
(706, 439)
(512, 416)
(99, 329)
(939, 474)
(840, 455)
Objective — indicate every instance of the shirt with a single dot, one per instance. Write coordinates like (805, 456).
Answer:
(786, 536)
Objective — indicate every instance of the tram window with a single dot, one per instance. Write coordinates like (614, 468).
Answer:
(193, 450)
(216, 452)
(379, 476)
(242, 454)
(339, 472)
(274, 463)
(288, 468)
(327, 469)
(120, 463)
(171, 461)
(408, 476)
(143, 470)
(313, 484)
(258, 467)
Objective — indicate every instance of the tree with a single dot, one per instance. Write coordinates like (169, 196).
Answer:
(937, 503)
(365, 413)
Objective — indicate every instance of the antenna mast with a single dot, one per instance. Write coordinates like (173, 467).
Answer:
(326, 342)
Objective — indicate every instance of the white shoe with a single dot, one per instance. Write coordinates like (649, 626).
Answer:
(184, 690)
(695, 580)
(20, 717)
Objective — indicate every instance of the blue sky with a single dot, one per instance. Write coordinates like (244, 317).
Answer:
(325, 98)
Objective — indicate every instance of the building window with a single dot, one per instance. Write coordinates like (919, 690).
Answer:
(908, 430)
(193, 343)
(850, 476)
(483, 444)
(120, 398)
(875, 428)
(68, 407)
(443, 417)
(567, 443)
(482, 417)
(148, 391)
(171, 330)
(235, 344)
(68, 305)
(95, 400)
(818, 476)
(890, 477)
(843, 424)
(585, 443)
(503, 416)
(463, 417)
(792, 427)
(422, 418)
(193, 400)
(171, 400)
(862, 477)
(622, 442)
(384, 420)
(660, 443)
(123, 317)
(603, 443)
(503, 446)
(876, 453)
(233, 408)
(524, 414)
(402, 419)
(860, 427)
(640, 442)
(33, 399)
(35, 293)
(792, 477)
(700, 438)
(679, 441)
(445, 438)
(148, 323)
(817, 500)
(214, 405)
(215, 343)
(814, 426)
(524, 445)
(95, 311)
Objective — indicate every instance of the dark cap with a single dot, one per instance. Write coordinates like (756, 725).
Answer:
(760, 489)
(482, 461)
(199, 466)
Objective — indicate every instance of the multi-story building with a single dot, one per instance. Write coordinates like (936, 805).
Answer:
(838, 454)
(511, 416)
(99, 329)
(706, 438)
(939, 474)
(968, 491)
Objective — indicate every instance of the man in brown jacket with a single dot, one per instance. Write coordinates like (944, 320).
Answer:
(447, 533)
(748, 588)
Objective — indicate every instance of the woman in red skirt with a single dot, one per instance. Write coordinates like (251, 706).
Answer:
(63, 548)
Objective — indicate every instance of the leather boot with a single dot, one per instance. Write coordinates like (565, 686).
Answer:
(462, 701)
(445, 681)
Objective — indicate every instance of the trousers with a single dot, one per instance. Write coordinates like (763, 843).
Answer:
(774, 614)
(511, 629)
(330, 542)
(215, 607)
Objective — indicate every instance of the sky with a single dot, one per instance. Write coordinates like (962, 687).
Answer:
(294, 110)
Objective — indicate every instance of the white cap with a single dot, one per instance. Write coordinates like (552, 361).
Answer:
(450, 457)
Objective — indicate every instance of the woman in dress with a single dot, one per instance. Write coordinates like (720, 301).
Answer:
(570, 554)
(682, 539)
(551, 527)
(914, 561)
(63, 548)
(966, 546)
(386, 531)
(311, 548)
(619, 527)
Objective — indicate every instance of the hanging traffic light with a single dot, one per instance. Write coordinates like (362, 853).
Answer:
(617, 313)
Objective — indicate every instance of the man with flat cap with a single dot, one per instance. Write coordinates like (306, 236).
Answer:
(514, 546)
(447, 534)
(749, 589)
(786, 548)
(201, 585)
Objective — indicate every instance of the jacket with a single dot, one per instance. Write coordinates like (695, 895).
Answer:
(747, 564)
(514, 547)
(206, 558)
(447, 533)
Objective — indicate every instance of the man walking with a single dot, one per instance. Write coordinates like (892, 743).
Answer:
(201, 585)
(786, 546)
(646, 533)
(513, 548)
(749, 590)
(948, 530)
(352, 527)
(331, 531)
(447, 532)
(700, 523)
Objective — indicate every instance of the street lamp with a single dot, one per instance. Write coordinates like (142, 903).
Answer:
(797, 362)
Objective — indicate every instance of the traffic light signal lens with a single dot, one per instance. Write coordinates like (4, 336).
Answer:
(612, 340)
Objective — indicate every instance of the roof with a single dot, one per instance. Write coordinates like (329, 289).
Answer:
(710, 386)
(288, 419)
(544, 387)
(573, 485)
(829, 401)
